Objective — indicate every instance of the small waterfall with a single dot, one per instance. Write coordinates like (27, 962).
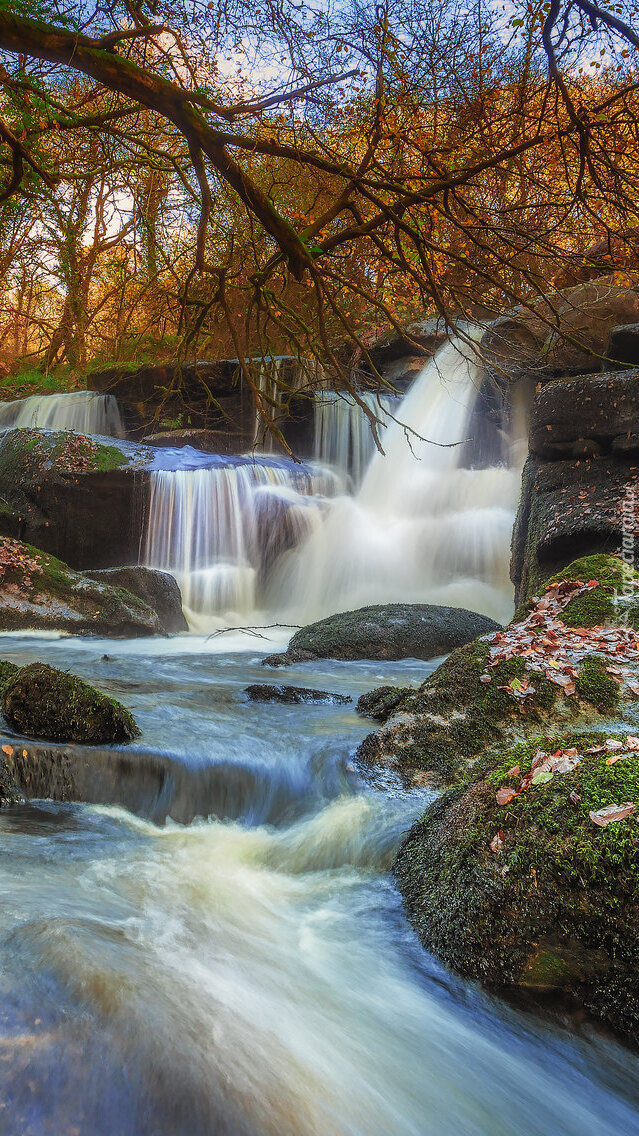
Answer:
(84, 412)
(420, 528)
(219, 531)
(343, 436)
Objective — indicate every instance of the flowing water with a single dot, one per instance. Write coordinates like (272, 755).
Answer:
(342, 431)
(85, 412)
(252, 973)
(420, 528)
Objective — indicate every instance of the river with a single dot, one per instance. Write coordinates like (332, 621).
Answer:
(252, 973)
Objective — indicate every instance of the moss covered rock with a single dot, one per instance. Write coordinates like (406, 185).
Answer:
(41, 702)
(385, 631)
(477, 699)
(38, 591)
(531, 892)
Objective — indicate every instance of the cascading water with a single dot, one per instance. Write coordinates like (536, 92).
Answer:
(421, 528)
(84, 412)
(218, 530)
(342, 432)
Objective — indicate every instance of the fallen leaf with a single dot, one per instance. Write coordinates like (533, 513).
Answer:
(485, 678)
(611, 743)
(575, 797)
(514, 772)
(505, 795)
(497, 841)
(542, 776)
(7, 749)
(632, 742)
(617, 757)
(612, 813)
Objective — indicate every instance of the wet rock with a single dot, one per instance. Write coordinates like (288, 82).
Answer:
(38, 591)
(267, 692)
(385, 631)
(222, 441)
(590, 411)
(530, 895)
(381, 702)
(76, 497)
(623, 345)
(477, 702)
(41, 702)
(158, 590)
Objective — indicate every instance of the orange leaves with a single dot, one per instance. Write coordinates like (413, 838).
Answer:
(610, 813)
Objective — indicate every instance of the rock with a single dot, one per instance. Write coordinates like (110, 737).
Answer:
(158, 590)
(41, 702)
(616, 251)
(74, 496)
(531, 895)
(381, 702)
(590, 411)
(38, 591)
(475, 703)
(222, 441)
(265, 692)
(563, 333)
(623, 345)
(385, 631)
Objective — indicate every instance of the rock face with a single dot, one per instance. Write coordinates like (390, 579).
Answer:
(295, 695)
(385, 631)
(564, 333)
(73, 496)
(207, 441)
(41, 702)
(38, 591)
(580, 491)
(158, 590)
(524, 874)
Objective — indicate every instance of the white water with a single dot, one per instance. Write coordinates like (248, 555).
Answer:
(252, 974)
(218, 530)
(84, 412)
(420, 529)
(255, 544)
(342, 431)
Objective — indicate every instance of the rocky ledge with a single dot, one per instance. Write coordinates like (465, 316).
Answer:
(39, 592)
(523, 875)
(385, 631)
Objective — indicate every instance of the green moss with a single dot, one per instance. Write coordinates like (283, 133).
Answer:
(41, 702)
(596, 685)
(559, 903)
(598, 608)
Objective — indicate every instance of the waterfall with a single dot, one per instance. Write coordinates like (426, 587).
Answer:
(343, 436)
(420, 528)
(85, 412)
(219, 530)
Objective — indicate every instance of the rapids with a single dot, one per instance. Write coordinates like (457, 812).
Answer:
(252, 974)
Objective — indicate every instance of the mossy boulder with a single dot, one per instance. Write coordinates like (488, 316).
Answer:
(532, 894)
(38, 591)
(385, 631)
(73, 495)
(476, 700)
(39, 701)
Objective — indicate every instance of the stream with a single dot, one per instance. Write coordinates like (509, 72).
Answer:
(252, 973)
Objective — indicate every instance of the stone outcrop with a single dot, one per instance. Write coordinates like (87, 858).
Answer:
(39, 701)
(158, 590)
(74, 496)
(563, 333)
(523, 875)
(39, 592)
(580, 491)
(385, 631)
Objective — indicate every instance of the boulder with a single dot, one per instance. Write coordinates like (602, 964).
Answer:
(158, 590)
(623, 345)
(37, 591)
(562, 333)
(584, 416)
(72, 495)
(521, 888)
(295, 695)
(385, 631)
(41, 702)
(500, 688)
